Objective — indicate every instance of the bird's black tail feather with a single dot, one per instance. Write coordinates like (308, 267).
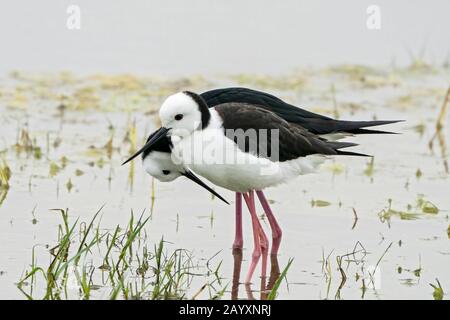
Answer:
(337, 146)
(349, 153)
(329, 126)
(369, 131)
(357, 127)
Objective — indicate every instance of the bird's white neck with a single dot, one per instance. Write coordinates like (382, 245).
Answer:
(216, 121)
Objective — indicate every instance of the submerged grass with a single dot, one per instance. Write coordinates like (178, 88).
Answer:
(127, 268)
(351, 268)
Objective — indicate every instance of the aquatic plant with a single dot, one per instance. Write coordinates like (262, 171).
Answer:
(128, 268)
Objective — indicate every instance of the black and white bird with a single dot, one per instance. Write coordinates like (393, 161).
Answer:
(157, 160)
(215, 144)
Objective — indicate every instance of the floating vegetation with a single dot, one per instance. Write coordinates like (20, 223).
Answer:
(426, 206)
(69, 185)
(54, 169)
(320, 203)
(420, 209)
(417, 272)
(419, 173)
(386, 215)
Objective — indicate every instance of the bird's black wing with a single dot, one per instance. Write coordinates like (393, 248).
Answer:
(257, 135)
(311, 121)
(261, 99)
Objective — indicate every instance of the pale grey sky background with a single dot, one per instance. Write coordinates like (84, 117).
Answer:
(211, 36)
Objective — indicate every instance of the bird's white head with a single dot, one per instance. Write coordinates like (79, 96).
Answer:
(183, 113)
(160, 166)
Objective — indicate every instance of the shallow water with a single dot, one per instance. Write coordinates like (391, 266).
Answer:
(409, 248)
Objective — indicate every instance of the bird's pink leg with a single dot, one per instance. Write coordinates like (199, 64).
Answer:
(264, 248)
(237, 257)
(238, 239)
(276, 230)
(249, 199)
(259, 238)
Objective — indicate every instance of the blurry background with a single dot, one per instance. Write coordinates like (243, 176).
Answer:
(204, 36)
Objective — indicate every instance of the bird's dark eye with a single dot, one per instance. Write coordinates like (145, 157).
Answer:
(178, 117)
(166, 172)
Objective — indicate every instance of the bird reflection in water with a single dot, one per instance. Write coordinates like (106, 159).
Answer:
(266, 286)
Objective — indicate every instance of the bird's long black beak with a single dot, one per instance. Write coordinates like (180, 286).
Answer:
(191, 176)
(158, 135)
